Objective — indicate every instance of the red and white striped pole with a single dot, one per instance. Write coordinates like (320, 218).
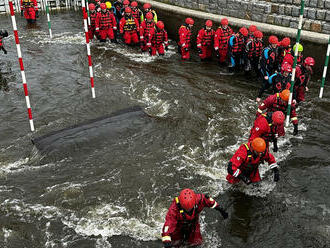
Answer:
(90, 66)
(20, 60)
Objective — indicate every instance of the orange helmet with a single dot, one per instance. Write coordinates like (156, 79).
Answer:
(244, 31)
(190, 21)
(278, 118)
(187, 199)
(224, 21)
(285, 94)
(149, 16)
(208, 23)
(252, 28)
(273, 39)
(258, 145)
(147, 6)
(160, 25)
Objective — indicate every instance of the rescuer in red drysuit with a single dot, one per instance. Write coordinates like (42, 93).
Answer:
(146, 9)
(129, 27)
(30, 10)
(253, 49)
(246, 160)
(93, 15)
(136, 12)
(159, 40)
(3, 34)
(268, 126)
(181, 225)
(303, 76)
(221, 38)
(184, 38)
(204, 41)
(147, 29)
(279, 102)
(105, 24)
(284, 48)
(236, 49)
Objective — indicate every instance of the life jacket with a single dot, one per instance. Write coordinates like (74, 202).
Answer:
(208, 36)
(93, 18)
(159, 37)
(188, 220)
(304, 76)
(129, 24)
(247, 165)
(136, 13)
(236, 44)
(148, 26)
(27, 3)
(225, 35)
(278, 105)
(188, 34)
(1, 42)
(255, 49)
(106, 20)
(271, 135)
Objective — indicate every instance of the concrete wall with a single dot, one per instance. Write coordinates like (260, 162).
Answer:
(279, 12)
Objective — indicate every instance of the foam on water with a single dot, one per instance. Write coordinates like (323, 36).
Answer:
(65, 38)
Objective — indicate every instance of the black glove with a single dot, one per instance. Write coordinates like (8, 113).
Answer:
(167, 244)
(166, 48)
(295, 129)
(275, 148)
(150, 51)
(22, 12)
(245, 179)
(3, 33)
(199, 50)
(37, 14)
(222, 212)
(4, 50)
(276, 175)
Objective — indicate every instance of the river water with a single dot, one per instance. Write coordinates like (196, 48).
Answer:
(113, 189)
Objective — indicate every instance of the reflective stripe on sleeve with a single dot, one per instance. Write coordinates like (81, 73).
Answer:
(260, 111)
(216, 48)
(166, 238)
(236, 173)
(274, 165)
(199, 45)
(214, 205)
(294, 118)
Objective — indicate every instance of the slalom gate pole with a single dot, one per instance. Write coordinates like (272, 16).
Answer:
(90, 66)
(48, 19)
(88, 16)
(325, 69)
(20, 60)
(302, 5)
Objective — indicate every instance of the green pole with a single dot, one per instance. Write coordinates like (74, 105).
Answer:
(302, 5)
(325, 69)
(89, 18)
(48, 19)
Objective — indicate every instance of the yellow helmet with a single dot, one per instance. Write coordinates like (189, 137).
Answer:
(108, 4)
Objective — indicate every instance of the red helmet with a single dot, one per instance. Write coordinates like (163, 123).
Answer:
(147, 6)
(160, 25)
(278, 118)
(103, 6)
(273, 39)
(126, 2)
(149, 16)
(309, 61)
(91, 6)
(224, 21)
(286, 67)
(244, 31)
(258, 34)
(190, 21)
(134, 4)
(252, 28)
(187, 199)
(208, 23)
(128, 10)
(285, 42)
